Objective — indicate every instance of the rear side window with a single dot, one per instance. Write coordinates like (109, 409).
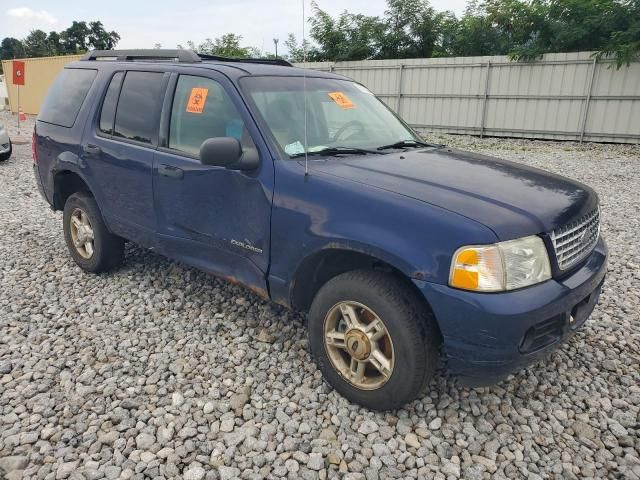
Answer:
(108, 113)
(66, 96)
(138, 112)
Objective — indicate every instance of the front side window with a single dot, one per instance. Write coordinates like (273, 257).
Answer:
(202, 109)
(138, 112)
(108, 112)
(339, 113)
(66, 96)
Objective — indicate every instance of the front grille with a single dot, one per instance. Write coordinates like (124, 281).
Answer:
(574, 241)
(5, 146)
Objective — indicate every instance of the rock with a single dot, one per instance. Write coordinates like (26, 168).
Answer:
(315, 461)
(130, 404)
(177, 399)
(450, 468)
(112, 472)
(12, 463)
(292, 466)
(411, 439)
(27, 438)
(195, 473)
(208, 408)
(147, 457)
(583, 430)
(367, 427)
(328, 435)
(65, 469)
(238, 401)
(435, 424)
(228, 473)
(265, 337)
(145, 441)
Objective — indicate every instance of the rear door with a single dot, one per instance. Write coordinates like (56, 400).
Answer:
(211, 217)
(119, 148)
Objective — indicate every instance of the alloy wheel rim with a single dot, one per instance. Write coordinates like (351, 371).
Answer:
(82, 234)
(358, 345)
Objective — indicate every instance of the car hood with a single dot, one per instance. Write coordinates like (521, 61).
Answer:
(513, 200)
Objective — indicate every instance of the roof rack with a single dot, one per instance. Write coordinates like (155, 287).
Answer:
(266, 61)
(180, 55)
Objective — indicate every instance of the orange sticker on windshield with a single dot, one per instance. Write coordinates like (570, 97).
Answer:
(197, 100)
(341, 99)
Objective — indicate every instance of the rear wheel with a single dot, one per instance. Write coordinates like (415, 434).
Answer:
(91, 245)
(375, 342)
(5, 156)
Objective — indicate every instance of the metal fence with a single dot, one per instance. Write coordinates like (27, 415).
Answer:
(564, 96)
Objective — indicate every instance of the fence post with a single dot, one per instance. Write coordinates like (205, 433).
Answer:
(484, 100)
(587, 101)
(399, 94)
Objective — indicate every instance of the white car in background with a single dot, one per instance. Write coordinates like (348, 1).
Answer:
(5, 144)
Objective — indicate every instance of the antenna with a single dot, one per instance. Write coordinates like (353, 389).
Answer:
(304, 92)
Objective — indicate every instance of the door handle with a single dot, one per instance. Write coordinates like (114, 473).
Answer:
(170, 171)
(91, 149)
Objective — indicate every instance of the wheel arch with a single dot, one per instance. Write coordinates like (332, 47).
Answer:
(65, 184)
(320, 267)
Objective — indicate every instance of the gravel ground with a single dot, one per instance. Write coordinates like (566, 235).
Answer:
(158, 370)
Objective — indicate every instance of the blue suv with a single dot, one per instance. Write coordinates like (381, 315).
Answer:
(308, 190)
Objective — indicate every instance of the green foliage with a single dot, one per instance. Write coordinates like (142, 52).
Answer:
(228, 45)
(522, 29)
(79, 37)
(11, 48)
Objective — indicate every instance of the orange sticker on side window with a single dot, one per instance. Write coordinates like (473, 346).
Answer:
(341, 99)
(197, 100)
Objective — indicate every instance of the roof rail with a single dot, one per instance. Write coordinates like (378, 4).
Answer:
(181, 55)
(266, 61)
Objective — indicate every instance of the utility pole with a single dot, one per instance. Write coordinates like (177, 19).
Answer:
(275, 42)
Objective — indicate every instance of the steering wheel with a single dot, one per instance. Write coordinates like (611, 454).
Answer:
(352, 124)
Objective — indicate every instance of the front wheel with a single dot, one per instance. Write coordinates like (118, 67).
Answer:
(375, 342)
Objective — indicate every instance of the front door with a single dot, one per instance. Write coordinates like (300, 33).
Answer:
(213, 218)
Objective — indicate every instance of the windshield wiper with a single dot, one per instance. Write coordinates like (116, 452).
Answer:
(408, 143)
(333, 151)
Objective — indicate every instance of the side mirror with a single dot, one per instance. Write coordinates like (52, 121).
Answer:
(228, 153)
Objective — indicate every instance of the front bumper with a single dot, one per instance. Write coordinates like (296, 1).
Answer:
(489, 335)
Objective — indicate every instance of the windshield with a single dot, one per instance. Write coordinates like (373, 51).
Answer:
(340, 114)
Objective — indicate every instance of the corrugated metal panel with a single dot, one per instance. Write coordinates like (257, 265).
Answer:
(564, 96)
(39, 75)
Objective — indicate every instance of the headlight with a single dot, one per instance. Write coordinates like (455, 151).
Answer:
(501, 266)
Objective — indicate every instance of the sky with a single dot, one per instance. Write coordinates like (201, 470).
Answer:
(142, 24)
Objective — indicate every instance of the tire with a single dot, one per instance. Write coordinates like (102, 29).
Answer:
(412, 339)
(107, 251)
(7, 155)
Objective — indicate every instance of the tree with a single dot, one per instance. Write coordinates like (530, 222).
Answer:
(349, 37)
(36, 44)
(74, 38)
(299, 52)
(11, 48)
(624, 43)
(98, 38)
(55, 43)
(228, 45)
